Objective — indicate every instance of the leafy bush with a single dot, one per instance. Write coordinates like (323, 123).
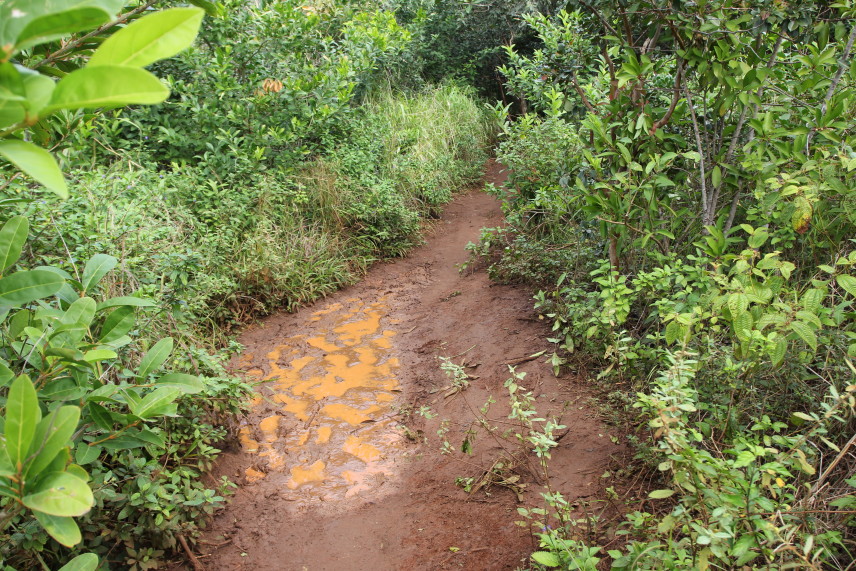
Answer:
(710, 171)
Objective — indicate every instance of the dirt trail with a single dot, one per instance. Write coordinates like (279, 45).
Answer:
(334, 472)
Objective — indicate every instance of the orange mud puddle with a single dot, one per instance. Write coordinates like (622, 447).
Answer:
(336, 385)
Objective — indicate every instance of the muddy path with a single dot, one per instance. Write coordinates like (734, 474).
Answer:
(337, 468)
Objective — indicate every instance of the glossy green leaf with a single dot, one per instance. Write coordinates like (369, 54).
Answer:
(661, 494)
(6, 374)
(32, 91)
(128, 301)
(100, 415)
(96, 355)
(82, 311)
(85, 454)
(27, 286)
(22, 416)
(60, 494)
(149, 39)
(62, 529)
(35, 162)
(12, 238)
(107, 86)
(156, 402)
(155, 357)
(117, 324)
(52, 435)
(85, 562)
(188, 384)
(19, 19)
(7, 470)
(51, 27)
(96, 268)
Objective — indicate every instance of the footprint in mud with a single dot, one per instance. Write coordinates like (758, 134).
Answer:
(323, 421)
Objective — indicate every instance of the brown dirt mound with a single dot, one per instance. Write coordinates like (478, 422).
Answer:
(336, 468)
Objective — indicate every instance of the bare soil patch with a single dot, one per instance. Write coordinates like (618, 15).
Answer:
(336, 469)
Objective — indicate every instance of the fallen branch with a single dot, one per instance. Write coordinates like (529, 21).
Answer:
(197, 566)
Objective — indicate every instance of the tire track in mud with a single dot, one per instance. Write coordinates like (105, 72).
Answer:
(335, 470)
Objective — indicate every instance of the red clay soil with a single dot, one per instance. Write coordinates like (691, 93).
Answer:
(338, 471)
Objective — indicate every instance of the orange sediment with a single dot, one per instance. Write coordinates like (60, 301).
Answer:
(334, 389)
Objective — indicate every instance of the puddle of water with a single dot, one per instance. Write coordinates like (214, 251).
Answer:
(336, 386)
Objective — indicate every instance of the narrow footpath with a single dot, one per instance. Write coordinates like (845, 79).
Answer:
(340, 465)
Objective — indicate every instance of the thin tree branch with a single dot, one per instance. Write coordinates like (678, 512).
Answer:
(843, 64)
(600, 17)
(74, 44)
(702, 173)
(582, 94)
(676, 96)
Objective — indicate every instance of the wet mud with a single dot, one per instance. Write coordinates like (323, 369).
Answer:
(337, 470)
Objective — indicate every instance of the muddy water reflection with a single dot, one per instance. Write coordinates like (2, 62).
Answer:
(329, 432)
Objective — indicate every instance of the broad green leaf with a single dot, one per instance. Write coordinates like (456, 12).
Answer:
(117, 324)
(129, 301)
(778, 352)
(155, 357)
(6, 374)
(812, 300)
(96, 355)
(151, 437)
(51, 27)
(188, 384)
(36, 162)
(85, 562)
(107, 86)
(60, 494)
(744, 458)
(155, 402)
(96, 268)
(12, 239)
(743, 325)
(546, 558)
(85, 454)
(82, 312)
(716, 176)
(22, 92)
(661, 494)
(18, 15)
(22, 416)
(101, 416)
(63, 529)
(52, 435)
(847, 283)
(805, 333)
(7, 470)
(27, 286)
(758, 239)
(149, 39)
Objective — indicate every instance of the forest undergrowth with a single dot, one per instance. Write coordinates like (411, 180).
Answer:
(280, 164)
(681, 193)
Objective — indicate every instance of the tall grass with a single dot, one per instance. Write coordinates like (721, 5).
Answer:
(217, 254)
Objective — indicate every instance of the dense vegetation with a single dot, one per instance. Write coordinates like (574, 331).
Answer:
(681, 191)
(281, 165)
